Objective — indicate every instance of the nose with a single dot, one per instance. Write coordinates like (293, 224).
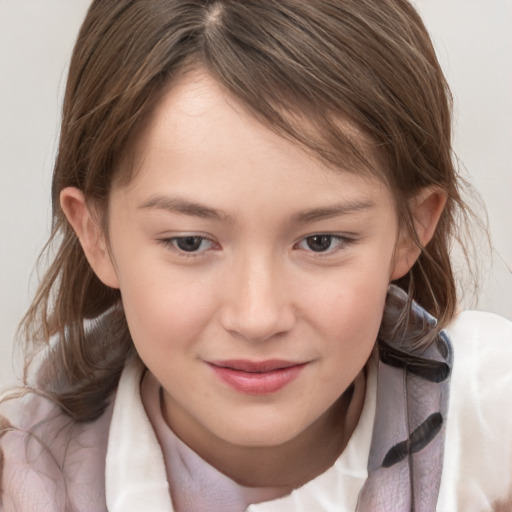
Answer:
(257, 303)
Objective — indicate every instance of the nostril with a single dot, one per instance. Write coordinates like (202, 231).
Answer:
(258, 325)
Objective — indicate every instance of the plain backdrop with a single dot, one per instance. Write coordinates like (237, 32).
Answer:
(474, 43)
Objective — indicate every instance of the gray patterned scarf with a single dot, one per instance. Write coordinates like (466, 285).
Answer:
(406, 453)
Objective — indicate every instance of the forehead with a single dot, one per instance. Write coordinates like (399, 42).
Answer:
(200, 137)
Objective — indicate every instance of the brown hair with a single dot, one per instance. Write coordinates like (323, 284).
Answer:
(298, 66)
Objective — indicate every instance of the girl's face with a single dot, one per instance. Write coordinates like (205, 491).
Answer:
(252, 276)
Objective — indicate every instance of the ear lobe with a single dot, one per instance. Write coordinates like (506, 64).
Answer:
(426, 208)
(89, 233)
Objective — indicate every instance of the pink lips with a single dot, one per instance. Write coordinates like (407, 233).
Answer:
(257, 378)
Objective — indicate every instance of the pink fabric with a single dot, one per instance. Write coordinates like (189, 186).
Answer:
(59, 466)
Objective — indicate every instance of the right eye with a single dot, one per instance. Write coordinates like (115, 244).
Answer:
(191, 244)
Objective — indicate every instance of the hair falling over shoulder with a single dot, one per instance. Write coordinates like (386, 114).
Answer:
(297, 66)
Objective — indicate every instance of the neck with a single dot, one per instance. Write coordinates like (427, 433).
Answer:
(290, 464)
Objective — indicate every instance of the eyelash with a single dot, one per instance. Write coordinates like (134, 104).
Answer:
(342, 241)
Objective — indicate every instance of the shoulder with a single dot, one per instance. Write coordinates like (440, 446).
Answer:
(482, 367)
(477, 472)
(50, 462)
(469, 327)
(482, 345)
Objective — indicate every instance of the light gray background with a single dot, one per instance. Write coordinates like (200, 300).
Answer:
(474, 43)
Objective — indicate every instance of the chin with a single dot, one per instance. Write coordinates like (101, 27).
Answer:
(259, 434)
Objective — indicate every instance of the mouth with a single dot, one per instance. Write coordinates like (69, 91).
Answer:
(257, 377)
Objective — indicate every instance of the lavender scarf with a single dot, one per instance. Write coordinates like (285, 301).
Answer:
(406, 453)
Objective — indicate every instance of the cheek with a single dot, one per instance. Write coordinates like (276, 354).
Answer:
(164, 309)
(354, 315)
(347, 308)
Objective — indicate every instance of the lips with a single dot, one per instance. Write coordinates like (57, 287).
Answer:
(257, 377)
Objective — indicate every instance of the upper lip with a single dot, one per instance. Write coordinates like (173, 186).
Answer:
(245, 365)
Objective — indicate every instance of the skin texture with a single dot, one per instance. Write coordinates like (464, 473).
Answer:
(255, 286)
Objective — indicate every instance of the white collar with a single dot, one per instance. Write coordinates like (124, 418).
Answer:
(135, 477)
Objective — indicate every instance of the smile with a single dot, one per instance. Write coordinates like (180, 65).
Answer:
(257, 378)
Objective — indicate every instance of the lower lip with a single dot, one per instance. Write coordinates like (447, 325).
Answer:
(263, 383)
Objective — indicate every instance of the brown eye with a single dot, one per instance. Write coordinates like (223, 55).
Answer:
(189, 243)
(325, 244)
(319, 243)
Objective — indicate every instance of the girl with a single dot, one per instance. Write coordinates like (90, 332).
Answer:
(251, 305)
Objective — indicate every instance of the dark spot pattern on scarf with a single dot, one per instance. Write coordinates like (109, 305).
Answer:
(419, 438)
(428, 369)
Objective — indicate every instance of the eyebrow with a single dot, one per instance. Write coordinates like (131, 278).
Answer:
(336, 210)
(194, 209)
(185, 207)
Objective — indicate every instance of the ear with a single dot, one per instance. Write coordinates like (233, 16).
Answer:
(90, 234)
(426, 208)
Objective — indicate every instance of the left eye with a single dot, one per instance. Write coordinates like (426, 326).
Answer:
(321, 243)
(189, 244)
